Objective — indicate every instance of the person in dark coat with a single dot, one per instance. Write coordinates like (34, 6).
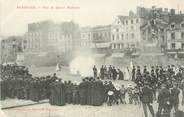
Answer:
(75, 94)
(133, 73)
(89, 90)
(83, 92)
(163, 101)
(175, 97)
(102, 74)
(114, 73)
(52, 99)
(95, 71)
(147, 99)
(60, 93)
(69, 92)
(98, 97)
(121, 75)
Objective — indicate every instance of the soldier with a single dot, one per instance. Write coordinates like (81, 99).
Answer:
(147, 99)
(95, 71)
(175, 97)
(145, 70)
(114, 73)
(157, 71)
(182, 89)
(110, 72)
(163, 100)
(133, 73)
(102, 72)
(121, 75)
(122, 94)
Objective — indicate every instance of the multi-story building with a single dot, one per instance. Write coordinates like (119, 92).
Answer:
(101, 38)
(49, 36)
(10, 47)
(175, 36)
(126, 33)
(86, 38)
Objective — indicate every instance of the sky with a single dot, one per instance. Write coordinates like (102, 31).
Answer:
(14, 18)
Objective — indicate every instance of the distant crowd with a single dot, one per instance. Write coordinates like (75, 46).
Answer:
(163, 84)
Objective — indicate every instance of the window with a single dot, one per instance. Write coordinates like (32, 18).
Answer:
(122, 45)
(122, 36)
(137, 20)
(182, 25)
(119, 46)
(127, 35)
(117, 30)
(114, 46)
(132, 21)
(127, 22)
(182, 46)
(132, 27)
(182, 35)
(132, 35)
(117, 36)
(172, 26)
(173, 45)
(112, 37)
(172, 35)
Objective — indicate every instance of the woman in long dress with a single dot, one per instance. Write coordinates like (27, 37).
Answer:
(127, 74)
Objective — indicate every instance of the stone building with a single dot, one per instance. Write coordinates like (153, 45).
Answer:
(126, 34)
(10, 47)
(175, 36)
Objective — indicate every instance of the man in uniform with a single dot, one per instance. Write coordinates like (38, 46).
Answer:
(95, 71)
(147, 99)
(133, 73)
(163, 99)
(175, 97)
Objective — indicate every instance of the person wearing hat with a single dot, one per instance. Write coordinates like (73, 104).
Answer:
(146, 96)
(133, 73)
(163, 99)
(175, 97)
(122, 94)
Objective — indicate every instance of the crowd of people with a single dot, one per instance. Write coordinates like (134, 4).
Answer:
(161, 84)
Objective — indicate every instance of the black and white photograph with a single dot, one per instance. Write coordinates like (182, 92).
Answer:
(92, 58)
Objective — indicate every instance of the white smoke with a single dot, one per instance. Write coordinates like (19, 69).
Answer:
(82, 65)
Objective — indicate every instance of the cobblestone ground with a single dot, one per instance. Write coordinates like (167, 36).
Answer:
(46, 110)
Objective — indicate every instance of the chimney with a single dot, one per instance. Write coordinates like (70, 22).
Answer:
(166, 10)
(172, 11)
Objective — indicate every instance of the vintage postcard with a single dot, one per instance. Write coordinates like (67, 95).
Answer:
(92, 58)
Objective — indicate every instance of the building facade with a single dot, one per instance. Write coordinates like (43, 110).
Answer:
(125, 33)
(49, 36)
(10, 47)
(101, 38)
(86, 38)
(175, 36)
